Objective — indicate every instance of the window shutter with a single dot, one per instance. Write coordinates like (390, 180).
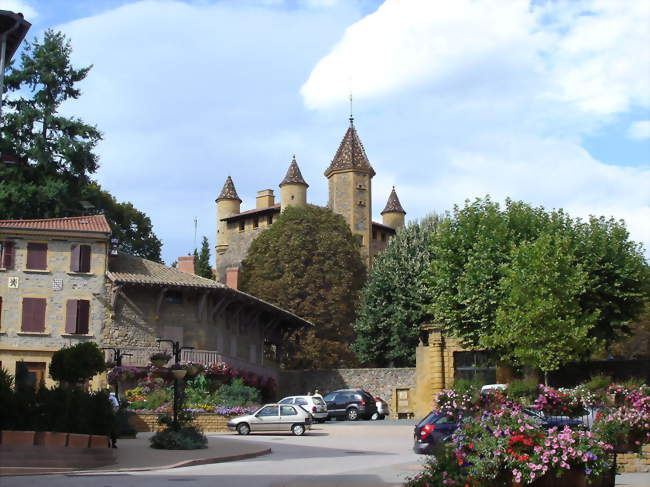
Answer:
(8, 254)
(37, 256)
(33, 314)
(83, 316)
(74, 258)
(71, 316)
(84, 258)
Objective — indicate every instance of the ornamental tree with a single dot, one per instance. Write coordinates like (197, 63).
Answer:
(394, 300)
(78, 363)
(308, 263)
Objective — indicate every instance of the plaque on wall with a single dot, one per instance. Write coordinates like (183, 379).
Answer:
(57, 284)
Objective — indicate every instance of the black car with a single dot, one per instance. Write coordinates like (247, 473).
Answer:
(434, 429)
(350, 404)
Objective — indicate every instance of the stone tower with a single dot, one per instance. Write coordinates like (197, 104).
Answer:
(293, 188)
(228, 204)
(393, 214)
(350, 188)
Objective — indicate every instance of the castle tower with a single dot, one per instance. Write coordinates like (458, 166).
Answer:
(228, 204)
(350, 177)
(393, 213)
(293, 188)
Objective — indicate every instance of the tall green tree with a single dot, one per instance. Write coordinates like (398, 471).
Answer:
(394, 300)
(478, 274)
(308, 262)
(202, 260)
(50, 158)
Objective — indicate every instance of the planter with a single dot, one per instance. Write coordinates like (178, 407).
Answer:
(11, 437)
(50, 438)
(179, 373)
(159, 362)
(78, 441)
(99, 441)
(193, 371)
(571, 478)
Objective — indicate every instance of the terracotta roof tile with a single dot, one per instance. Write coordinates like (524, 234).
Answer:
(293, 176)
(92, 223)
(350, 154)
(393, 205)
(228, 192)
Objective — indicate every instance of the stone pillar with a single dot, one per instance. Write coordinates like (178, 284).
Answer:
(429, 370)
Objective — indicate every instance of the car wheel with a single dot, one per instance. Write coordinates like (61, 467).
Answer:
(243, 429)
(352, 414)
(298, 429)
(375, 416)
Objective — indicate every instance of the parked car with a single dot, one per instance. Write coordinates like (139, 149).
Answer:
(273, 417)
(435, 428)
(313, 404)
(382, 409)
(350, 404)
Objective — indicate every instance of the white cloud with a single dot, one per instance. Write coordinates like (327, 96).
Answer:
(19, 6)
(639, 130)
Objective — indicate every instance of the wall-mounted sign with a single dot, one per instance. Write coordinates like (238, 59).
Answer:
(13, 282)
(57, 284)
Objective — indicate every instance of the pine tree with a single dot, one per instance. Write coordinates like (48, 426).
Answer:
(202, 260)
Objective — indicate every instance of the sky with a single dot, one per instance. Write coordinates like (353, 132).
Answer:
(545, 101)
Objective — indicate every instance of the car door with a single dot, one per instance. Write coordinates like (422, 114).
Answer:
(341, 402)
(267, 419)
(330, 400)
(288, 417)
(445, 426)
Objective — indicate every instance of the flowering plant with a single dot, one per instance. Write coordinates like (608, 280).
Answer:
(220, 370)
(123, 373)
(160, 356)
(554, 402)
(625, 425)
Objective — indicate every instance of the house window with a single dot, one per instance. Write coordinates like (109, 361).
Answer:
(256, 222)
(374, 235)
(7, 254)
(77, 316)
(33, 314)
(269, 220)
(80, 258)
(37, 256)
(30, 374)
(242, 225)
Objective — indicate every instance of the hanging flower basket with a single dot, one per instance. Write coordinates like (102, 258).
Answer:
(159, 359)
(179, 373)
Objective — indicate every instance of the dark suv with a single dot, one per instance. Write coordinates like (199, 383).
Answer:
(350, 404)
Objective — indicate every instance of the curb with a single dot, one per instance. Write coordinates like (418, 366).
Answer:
(185, 463)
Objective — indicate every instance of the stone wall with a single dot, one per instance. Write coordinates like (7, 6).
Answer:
(634, 462)
(382, 383)
(238, 243)
(208, 422)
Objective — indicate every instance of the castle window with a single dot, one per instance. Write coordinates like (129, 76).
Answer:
(242, 226)
(292, 196)
(362, 203)
(269, 220)
(361, 187)
(256, 222)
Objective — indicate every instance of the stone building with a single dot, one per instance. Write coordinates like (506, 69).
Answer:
(349, 178)
(60, 284)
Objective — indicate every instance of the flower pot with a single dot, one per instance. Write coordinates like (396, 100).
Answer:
(50, 438)
(179, 373)
(192, 371)
(11, 437)
(78, 441)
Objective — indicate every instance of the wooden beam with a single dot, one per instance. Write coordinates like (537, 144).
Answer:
(131, 303)
(202, 306)
(218, 309)
(159, 300)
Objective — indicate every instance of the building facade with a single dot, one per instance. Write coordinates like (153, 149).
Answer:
(349, 177)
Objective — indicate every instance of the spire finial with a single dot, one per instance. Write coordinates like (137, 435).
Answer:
(351, 112)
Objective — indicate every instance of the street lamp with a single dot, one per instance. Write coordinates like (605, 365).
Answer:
(13, 28)
(117, 358)
(176, 352)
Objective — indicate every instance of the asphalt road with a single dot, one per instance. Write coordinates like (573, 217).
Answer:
(336, 454)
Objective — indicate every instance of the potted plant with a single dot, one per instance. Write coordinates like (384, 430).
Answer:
(159, 359)
(193, 369)
(178, 371)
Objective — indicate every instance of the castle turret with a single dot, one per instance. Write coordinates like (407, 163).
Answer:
(350, 191)
(228, 204)
(293, 188)
(393, 214)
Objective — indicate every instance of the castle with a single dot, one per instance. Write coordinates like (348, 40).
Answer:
(350, 194)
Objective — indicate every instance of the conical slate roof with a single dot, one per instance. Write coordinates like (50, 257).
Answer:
(393, 205)
(351, 154)
(228, 192)
(293, 176)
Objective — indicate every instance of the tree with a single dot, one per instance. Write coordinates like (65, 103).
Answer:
(78, 363)
(52, 156)
(478, 272)
(394, 300)
(308, 263)
(202, 259)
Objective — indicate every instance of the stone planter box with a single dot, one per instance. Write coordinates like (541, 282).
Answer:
(99, 441)
(210, 422)
(50, 438)
(10, 437)
(78, 441)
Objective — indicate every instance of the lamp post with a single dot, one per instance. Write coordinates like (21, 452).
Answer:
(13, 28)
(176, 352)
(117, 358)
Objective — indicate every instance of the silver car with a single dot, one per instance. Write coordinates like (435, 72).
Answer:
(312, 404)
(273, 417)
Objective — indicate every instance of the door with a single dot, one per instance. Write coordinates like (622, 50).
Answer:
(330, 400)
(267, 419)
(289, 416)
(341, 402)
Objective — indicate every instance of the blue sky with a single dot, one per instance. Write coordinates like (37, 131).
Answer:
(545, 102)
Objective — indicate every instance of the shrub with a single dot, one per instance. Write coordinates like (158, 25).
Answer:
(78, 363)
(238, 394)
(187, 438)
(598, 382)
(466, 386)
(6, 399)
(525, 390)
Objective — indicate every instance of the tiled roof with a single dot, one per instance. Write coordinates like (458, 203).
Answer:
(228, 191)
(243, 214)
(393, 205)
(293, 176)
(92, 223)
(351, 154)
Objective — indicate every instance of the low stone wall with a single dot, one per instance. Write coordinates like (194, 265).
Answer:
(634, 462)
(143, 422)
(379, 382)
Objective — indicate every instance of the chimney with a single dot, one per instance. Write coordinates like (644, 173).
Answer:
(186, 264)
(264, 199)
(232, 277)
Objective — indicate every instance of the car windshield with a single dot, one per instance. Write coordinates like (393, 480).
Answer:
(286, 400)
(318, 401)
(330, 396)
